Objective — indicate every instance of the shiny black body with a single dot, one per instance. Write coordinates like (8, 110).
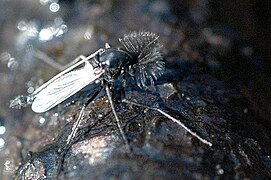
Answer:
(140, 57)
(115, 62)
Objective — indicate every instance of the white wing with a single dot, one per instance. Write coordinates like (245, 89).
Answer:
(64, 87)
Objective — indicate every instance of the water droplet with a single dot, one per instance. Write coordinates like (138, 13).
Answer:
(58, 21)
(220, 171)
(18, 144)
(7, 165)
(59, 31)
(97, 81)
(30, 83)
(64, 28)
(22, 26)
(245, 110)
(45, 35)
(5, 56)
(30, 90)
(88, 34)
(247, 51)
(54, 7)
(2, 142)
(44, 2)
(54, 117)
(2, 130)
(12, 64)
(32, 32)
(42, 120)
(54, 30)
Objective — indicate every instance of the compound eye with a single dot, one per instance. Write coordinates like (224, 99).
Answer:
(101, 51)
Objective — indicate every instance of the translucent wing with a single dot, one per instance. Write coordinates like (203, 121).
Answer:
(64, 87)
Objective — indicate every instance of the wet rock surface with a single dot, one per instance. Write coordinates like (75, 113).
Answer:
(214, 84)
(161, 148)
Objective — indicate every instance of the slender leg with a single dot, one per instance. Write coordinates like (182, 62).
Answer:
(84, 58)
(81, 57)
(171, 118)
(75, 128)
(78, 121)
(42, 56)
(71, 136)
(117, 118)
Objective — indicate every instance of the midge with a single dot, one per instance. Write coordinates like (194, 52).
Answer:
(139, 58)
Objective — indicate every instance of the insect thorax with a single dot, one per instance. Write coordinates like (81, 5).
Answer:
(115, 62)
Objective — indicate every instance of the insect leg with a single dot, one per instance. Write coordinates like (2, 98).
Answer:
(75, 128)
(42, 56)
(84, 58)
(116, 116)
(81, 57)
(171, 118)
(77, 123)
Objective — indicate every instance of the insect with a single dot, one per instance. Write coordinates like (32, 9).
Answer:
(139, 58)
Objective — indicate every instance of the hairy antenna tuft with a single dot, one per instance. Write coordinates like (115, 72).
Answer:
(146, 48)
